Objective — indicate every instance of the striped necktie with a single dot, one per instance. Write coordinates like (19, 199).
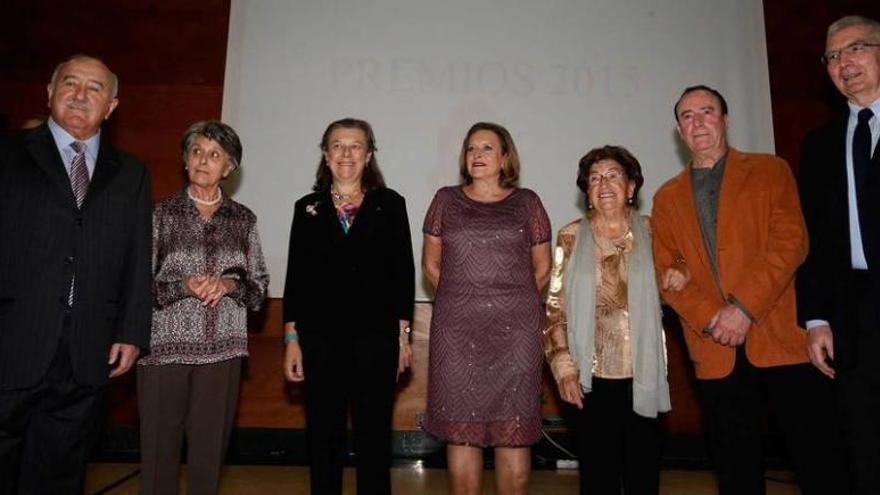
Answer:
(79, 173)
(79, 182)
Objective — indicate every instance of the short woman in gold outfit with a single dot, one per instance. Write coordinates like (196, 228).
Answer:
(604, 340)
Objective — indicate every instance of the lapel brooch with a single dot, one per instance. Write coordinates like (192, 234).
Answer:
(312, 209)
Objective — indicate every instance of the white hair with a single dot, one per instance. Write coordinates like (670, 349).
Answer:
(853, 20)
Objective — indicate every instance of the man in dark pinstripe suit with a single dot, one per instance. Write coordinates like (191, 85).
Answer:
(74, 279)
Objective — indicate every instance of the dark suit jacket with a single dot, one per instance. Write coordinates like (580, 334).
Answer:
(360, 282)
(824, 283)
(45, 240)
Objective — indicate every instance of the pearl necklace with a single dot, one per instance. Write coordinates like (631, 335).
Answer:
(210, 202)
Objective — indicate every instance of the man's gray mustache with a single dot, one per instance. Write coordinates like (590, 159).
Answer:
(77, 105)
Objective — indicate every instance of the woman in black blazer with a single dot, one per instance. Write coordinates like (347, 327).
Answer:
(348, 304)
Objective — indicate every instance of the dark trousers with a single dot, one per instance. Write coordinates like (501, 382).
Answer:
(859, 395)
(197, 399)
(617, 447)
(858, 385)
(734, 419)
(47, 431)
(357, 371)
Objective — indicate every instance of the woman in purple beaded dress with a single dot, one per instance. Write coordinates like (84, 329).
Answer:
(487, 253)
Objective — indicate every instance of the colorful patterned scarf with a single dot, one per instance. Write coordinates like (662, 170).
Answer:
(346, 213)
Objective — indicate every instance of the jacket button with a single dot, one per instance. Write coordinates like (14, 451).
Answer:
(69, 260)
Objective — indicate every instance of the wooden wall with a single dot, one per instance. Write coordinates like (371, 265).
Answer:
(801, 93)
(170, 55)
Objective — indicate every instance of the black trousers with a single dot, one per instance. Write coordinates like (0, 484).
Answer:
(617, 447)
(734, 418)
(46, 431)
(357, 371)
(858, 385)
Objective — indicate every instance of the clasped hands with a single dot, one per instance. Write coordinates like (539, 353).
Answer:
(729, 326)
(208, 288)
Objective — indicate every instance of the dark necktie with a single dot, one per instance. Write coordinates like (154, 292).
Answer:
(79, 173)
(861, 149)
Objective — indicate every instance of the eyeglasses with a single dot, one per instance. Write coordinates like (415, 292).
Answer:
(612, 176)
(340, 149)
(832, 57)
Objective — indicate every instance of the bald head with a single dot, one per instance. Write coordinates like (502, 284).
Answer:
(114, 81)
(82, 94)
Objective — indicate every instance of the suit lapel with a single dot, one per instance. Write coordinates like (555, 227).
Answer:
(869, 207)
(42, 148)
(875, 159)
(361, 226)
(687, 213)
(837, 180)
(736, 172)
(329, 221)
(106, 166)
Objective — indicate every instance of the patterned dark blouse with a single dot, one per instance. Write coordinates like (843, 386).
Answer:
(186, 244)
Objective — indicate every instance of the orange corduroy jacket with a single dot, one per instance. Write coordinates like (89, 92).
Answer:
(761, 241)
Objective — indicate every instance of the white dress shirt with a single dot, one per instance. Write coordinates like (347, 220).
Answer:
(63, 140)
(857, 250)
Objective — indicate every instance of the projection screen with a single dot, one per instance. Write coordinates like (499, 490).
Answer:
(563, 76)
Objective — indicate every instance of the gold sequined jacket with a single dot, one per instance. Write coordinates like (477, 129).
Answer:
(555, 338)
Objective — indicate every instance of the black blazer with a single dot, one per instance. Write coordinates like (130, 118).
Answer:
(360, 282)
(45, 240)
(824, 282)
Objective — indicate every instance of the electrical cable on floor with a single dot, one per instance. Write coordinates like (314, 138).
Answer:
(557, 445)
(118, 482)
(780, 480)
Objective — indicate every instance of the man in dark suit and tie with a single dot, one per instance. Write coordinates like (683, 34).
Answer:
(75, 228)
(839, 284)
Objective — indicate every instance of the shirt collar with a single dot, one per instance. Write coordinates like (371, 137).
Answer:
(854, 109)
(716, 167)
(722, 161)
(63, 139)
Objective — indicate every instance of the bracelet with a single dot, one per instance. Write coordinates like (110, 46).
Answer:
(290, 337)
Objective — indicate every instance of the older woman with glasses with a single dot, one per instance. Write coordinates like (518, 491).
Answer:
(208, 271)
(348, 304)
(604, 339)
